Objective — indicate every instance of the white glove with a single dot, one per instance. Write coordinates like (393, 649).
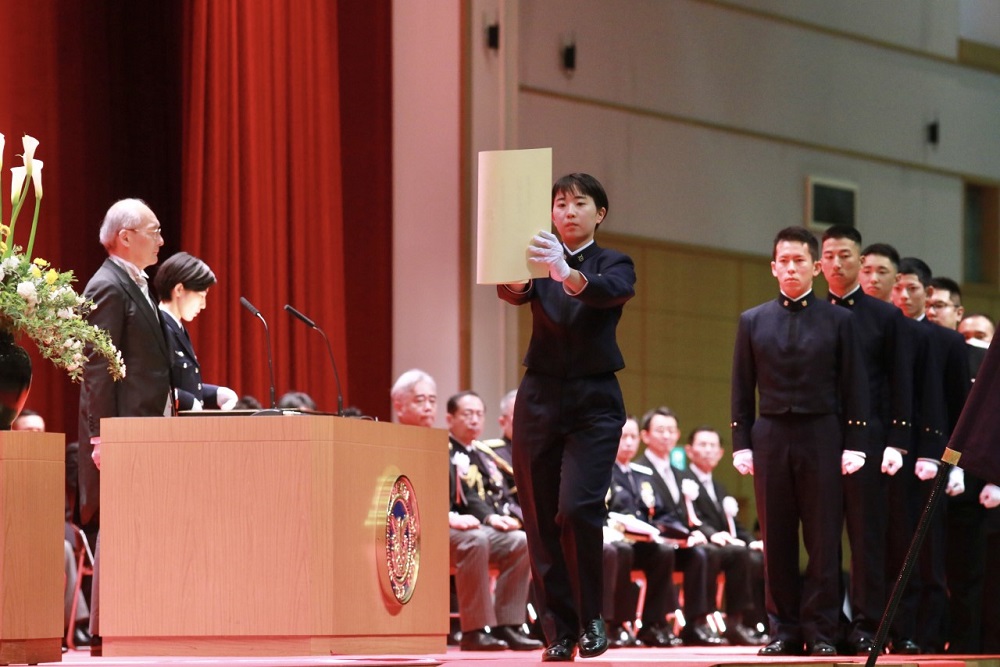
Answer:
(956, 482)
(990, 497)
(892, 460)
(730, 506)
(196, 405)
(925, 469)
(226, 398)
(690, 489)
(546, 249)
(743, 461)
(851, 461)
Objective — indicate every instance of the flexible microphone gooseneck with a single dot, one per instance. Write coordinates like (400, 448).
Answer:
(270, 362)
(336, 376)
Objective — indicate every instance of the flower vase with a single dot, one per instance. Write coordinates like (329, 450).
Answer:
(15, 379)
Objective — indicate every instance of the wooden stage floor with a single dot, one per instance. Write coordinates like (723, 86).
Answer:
(638, 657)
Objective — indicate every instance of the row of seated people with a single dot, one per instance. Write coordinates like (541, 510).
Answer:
(486, 534)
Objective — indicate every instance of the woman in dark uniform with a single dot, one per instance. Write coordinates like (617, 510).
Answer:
(569, 414)
(182, 283)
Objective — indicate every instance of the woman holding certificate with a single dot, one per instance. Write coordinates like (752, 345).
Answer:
(569, 414)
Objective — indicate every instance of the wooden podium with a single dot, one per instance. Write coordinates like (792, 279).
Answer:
(267, 535)
(32, 495)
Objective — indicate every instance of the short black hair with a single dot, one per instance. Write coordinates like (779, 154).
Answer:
(964, 317)
(798, 235)
(883, 250)
(704, 428)
(185, 270)
(663, 411)
(297, 400)
(843, 232)
(452, 406)
(940, 282)
(916, 267)
(584, 184)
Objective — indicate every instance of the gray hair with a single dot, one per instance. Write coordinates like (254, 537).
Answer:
(405, 383)
(507, 399)
(123, 214)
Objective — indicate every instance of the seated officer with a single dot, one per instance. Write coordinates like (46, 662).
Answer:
(483, 512)
(632, 494)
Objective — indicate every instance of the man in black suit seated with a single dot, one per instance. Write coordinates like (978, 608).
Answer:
(802, 356)
(698, 561)
(632, 494)
(716, 510)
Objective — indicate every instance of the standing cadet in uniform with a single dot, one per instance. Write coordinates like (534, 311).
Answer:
(886, 356)
(569, 413)
(802, 355)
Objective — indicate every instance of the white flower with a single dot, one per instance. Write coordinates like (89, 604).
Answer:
(730, 506)
(10, 264)
(36, 177)
(30, 144)
(27, 292)
(17, 175)
(690, 489)
(461, 461)
(65, 313)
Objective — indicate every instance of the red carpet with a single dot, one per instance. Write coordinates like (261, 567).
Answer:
(693, 657)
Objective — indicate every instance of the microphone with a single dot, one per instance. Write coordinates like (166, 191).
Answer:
(312, 325)
(270, 362)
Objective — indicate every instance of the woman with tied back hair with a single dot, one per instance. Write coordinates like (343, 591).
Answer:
(182, 283)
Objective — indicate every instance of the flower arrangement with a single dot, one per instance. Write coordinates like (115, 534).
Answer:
(39, 301)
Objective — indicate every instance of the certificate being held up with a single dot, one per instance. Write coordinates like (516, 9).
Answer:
(514, 205)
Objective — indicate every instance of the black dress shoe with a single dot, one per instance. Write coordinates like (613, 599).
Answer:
(593, 639)
(905, 647)
(781, 647)
(658, 637)
(822, 649)
(862, 646)
(81, 637)
(621, 637)
(561, 650)
(699, 634)
(516, 640)
(480, 640)
(740, 635)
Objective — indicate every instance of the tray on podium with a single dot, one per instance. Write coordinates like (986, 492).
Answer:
(32, 499)
(295, 535)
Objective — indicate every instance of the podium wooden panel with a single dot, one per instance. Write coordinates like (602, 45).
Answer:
(32, 495)
(260, 536)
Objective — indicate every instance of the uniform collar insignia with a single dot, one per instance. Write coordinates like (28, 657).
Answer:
(577, 258)
(795, 305)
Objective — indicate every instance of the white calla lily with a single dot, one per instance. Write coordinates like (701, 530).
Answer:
(36, 177)
(17, 176)
(30, 144)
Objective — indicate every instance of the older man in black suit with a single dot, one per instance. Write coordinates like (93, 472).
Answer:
(803, 356)
(125, 309)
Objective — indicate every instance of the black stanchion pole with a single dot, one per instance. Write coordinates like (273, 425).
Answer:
(940, 480)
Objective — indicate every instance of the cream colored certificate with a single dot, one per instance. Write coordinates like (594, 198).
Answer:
(514, 205)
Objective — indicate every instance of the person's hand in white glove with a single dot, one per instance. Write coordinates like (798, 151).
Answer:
(226, 398)
(196, 405)
(892, 460)
(743, 461)
(690, 489)
(990, 496)
(956, 482)
(546, 249)
(851, 461)
(925, 469)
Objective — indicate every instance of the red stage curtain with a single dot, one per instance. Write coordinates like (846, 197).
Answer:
(261, 191)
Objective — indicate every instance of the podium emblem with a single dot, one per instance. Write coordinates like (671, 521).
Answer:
(402, 539)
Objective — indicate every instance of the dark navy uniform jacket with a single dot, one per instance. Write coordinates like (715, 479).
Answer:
(804, 358)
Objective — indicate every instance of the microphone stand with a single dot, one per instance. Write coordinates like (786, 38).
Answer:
(273, 410)
(329, 350)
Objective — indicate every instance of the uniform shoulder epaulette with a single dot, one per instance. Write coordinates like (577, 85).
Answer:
(495, 443)
(645, 470)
